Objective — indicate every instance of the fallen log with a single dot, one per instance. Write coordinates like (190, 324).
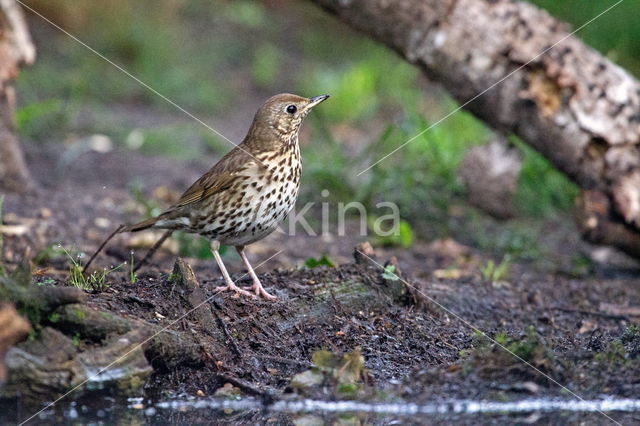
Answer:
(519, 70)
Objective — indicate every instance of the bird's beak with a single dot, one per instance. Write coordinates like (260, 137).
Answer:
(316, 100)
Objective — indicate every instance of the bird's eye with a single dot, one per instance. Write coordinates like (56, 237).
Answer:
(291, 109)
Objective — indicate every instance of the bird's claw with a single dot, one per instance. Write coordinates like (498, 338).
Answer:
(233, 287)
(258, 290)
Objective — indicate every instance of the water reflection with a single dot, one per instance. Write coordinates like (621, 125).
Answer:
(106, 410)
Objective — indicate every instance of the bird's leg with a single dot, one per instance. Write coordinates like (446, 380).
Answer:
(215, 246)
(257, 285)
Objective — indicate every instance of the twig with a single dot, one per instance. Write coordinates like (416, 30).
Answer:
(104, 243)
(247, 387)
(153, 249)
(266, 330)
(234, 346)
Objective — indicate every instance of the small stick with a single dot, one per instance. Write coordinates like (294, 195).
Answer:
(153, 249)
(234, 346)
(246, 386)
(104, 243)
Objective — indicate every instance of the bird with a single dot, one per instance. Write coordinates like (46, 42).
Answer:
(245, 195)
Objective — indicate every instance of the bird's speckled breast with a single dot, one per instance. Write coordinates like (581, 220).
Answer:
(257, 202)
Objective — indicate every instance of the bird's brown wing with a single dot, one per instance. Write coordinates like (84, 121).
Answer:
(206, 186)
(219, 178)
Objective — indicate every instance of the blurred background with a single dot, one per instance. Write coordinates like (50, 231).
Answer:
(220, 59)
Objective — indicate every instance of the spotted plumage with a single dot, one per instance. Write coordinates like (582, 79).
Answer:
(244, 196)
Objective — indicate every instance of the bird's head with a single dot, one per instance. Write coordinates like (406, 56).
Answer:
(281, 115)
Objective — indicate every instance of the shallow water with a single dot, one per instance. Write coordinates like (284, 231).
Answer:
(451, 407)
(106, 410)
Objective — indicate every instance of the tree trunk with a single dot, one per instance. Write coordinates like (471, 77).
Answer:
(16, 49)
(570, 103)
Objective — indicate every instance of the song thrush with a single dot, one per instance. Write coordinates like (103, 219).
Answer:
(243, 197)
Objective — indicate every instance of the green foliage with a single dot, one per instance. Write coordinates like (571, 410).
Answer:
(360, 85)
(519, 239)
(389, 273)
(528, 347)
(46, 281)
(52, 251)
(266, 65)
(151, 207)
(403, 236)
(39, 120)
(501, 337)
(76, 340)
(622, 351)
(178, 141)
(615, 354)
(249, 14)
(195, 246)
(542, 189)
(503, 352)
(581, 265)
(631, 333)
(496, 273)
(322, 261)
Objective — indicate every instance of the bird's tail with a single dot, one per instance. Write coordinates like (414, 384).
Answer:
(145, 224)
(140, 226)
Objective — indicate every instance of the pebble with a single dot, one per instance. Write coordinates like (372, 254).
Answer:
(45, 213)
(102, 222)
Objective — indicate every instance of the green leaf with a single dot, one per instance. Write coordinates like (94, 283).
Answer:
(389, 273)
(323, 261)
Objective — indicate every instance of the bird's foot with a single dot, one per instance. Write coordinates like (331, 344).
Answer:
(260, 291)
(232, 287)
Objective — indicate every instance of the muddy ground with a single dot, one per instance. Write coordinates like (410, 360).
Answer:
(421, 336)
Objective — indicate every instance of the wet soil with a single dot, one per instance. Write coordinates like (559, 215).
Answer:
(574, 336)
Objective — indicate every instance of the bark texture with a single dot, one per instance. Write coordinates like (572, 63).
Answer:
(571, 104)
(16, 49)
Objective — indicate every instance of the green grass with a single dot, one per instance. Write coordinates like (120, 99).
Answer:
(496, 272)
(542, 190)
(132, 275)
(96, 281)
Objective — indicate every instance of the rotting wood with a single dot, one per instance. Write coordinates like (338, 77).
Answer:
(570, 103)
(189, 289)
